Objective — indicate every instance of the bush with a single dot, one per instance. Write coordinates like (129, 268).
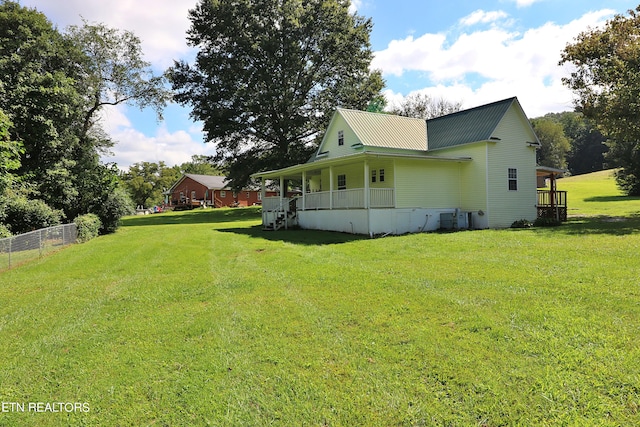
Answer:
(88, 227)
(521, 223)
(117, 205)
(21, 215)
(4, 231)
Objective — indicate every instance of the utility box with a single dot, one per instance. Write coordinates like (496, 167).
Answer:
(447, 220)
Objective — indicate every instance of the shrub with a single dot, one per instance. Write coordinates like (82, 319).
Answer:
(117, 205)
(521, 223)
(4, 231)
(22, 215)
(88, 227)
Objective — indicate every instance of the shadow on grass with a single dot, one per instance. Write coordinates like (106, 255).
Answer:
(296, 236)
(195, 216)
(616, 226)
(611, 198)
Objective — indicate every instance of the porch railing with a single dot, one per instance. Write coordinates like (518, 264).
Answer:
(548, 199)
(552, 204)
(347, 199)
(381, 198)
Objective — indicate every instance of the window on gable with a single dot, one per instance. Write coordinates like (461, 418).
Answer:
(342, 182)
(513, 179)
(340, 137)
(381, 175)
(223, 194)
(373, 175)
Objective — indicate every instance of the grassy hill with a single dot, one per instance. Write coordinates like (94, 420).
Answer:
(201, 318)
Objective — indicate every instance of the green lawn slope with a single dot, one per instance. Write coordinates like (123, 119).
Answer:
(201, 318)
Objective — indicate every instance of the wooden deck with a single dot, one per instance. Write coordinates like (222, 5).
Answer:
(552, 204)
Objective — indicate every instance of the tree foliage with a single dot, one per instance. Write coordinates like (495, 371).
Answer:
(268, 75)
(52, 88)
(606, 80)
(423, 106)
(9, 154)
(113, 72)
(555, 144)
(146, 181)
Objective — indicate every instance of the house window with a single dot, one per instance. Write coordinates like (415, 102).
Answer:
(235, 195)
(248, 195)
(260, 195)
(193, 195)
(342, 182)
(223, 194)
(340, 137)
(513, 179)
(381, 175)
(373, 175)
(181, 195)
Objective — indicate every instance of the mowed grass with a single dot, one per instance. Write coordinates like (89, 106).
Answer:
(202, 318)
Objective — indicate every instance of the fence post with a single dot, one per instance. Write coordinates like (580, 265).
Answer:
(10, 241)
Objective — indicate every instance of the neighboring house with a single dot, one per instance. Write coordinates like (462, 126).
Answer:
(383, 174)
(207, 190)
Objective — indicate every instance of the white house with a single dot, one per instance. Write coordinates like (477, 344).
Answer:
(383, 174)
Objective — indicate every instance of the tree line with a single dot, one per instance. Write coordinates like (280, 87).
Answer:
(265, 81)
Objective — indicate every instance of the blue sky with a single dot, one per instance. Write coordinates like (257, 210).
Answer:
(471, 51)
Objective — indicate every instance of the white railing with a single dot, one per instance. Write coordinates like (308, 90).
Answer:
(273, 203)
(341, 199)
(318, 200)
(381, 198)
(348, 199)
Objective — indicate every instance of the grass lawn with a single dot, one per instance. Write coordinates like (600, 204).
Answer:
(202, 318)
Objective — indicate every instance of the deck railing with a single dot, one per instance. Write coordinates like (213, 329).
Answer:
(349, 199)
(552, 204)
(381, 198)
(548, 199)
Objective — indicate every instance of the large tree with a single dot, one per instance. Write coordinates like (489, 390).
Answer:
(9, 154)
(606, 80)
(268, 75)
(423, 106)
(52, 87)
(554, 143)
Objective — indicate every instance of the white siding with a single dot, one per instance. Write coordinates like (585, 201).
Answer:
(427, 184)
(512, 151)
(330, 140)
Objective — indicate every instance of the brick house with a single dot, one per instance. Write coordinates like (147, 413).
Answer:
(197, 190)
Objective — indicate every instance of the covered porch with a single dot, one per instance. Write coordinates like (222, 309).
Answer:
(357, 182)
(551, 203)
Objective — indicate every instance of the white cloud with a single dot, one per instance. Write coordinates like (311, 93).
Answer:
(133, 146)
(160, 24)
(482, 17)
(504, 63)
(525, 3)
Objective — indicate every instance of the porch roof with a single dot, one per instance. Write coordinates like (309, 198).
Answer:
(296, 170)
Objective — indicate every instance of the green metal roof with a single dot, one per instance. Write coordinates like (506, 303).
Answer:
(387, 130)
(475, 124)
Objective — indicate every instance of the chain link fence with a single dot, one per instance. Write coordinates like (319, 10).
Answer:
(24, 247)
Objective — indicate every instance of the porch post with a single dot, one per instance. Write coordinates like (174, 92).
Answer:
(262, 201)
(367, 194)
(281, 189)
(304, 189)
(330, 187)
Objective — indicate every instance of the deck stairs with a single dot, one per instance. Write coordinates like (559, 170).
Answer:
(282, 217)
